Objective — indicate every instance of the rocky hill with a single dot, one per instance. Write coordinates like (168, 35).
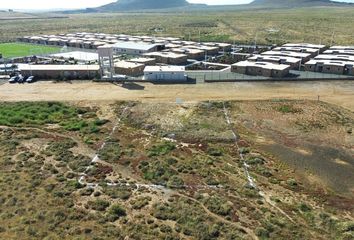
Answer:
(295, 3)
(129, 5)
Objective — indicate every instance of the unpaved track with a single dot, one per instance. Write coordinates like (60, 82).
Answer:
(336, 92)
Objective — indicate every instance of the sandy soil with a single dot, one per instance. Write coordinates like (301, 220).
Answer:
(337, 92)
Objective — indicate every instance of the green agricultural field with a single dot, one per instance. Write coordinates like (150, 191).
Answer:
(11, 50)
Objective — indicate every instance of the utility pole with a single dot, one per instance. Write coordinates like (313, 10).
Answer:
(300, 64)
(332, 40)
(255, 41)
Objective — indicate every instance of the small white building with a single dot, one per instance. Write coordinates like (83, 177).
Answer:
(165, 73)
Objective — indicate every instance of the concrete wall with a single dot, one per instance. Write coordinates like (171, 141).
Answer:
(164, 76)
(60, 75)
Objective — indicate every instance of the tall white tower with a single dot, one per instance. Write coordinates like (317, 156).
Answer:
(106, 62)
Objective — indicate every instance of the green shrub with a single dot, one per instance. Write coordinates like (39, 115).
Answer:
(292, 183)
(27, 113)
(159, 172)
(347, 226)
(218, 206)
(115, 212)
(244, 150)
(121, 193)
(99, 205)
(214, 152)
(161, 149)
(140, 202)
(304, 207)
(255, 161)
(86, 192)
(111, 152)
(75, 125)
(175, 182)
(262, 233)
(287, 109)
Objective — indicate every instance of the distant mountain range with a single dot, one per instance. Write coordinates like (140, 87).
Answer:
(295, 3)
(183, 5)
(127, 5)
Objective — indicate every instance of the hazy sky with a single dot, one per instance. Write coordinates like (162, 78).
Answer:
(48, 4)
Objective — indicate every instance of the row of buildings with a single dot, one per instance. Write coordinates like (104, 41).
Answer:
(138, 52)
(316, 58)
(68, 72)
(279, 61)
(335, 60)
(148, 55)
(127, 44)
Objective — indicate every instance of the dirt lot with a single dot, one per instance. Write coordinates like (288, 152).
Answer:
(336, 92)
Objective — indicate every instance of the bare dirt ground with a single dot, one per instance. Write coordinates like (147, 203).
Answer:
(340, 93)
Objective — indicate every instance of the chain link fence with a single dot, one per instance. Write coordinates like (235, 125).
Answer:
(217, 76)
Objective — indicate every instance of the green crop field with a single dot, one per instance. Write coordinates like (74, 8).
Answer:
(11, 50)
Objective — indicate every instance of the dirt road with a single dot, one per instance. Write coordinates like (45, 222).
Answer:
(337, 92)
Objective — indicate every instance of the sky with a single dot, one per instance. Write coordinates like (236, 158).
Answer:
(50, 4)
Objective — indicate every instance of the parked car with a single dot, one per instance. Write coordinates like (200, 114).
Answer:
(13, 79)
(30, 79)
(20, 79)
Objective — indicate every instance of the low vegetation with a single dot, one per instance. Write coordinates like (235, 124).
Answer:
(153, 180)
(267, 26)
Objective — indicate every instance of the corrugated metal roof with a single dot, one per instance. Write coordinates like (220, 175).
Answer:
(135, 46)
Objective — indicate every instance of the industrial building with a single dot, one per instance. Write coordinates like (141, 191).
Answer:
(312, 51)
(209, 50)
(142, 60)
(165, 73)
(168, 57)
(224, 47)
(303, 56)
(293, 62)
(319, 47)
(135, 48)
(345, 58)
(240, 56)
(129, 68)
(191, 53)
(350, 48)
(265, 69)
(336, 60)
(60, 72)
(79, 56)
(330, 66)
(339, 52)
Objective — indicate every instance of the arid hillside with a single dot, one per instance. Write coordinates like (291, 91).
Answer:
(276, 169)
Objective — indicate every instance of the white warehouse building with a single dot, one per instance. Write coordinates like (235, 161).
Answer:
(135, 48)
(165, 73)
